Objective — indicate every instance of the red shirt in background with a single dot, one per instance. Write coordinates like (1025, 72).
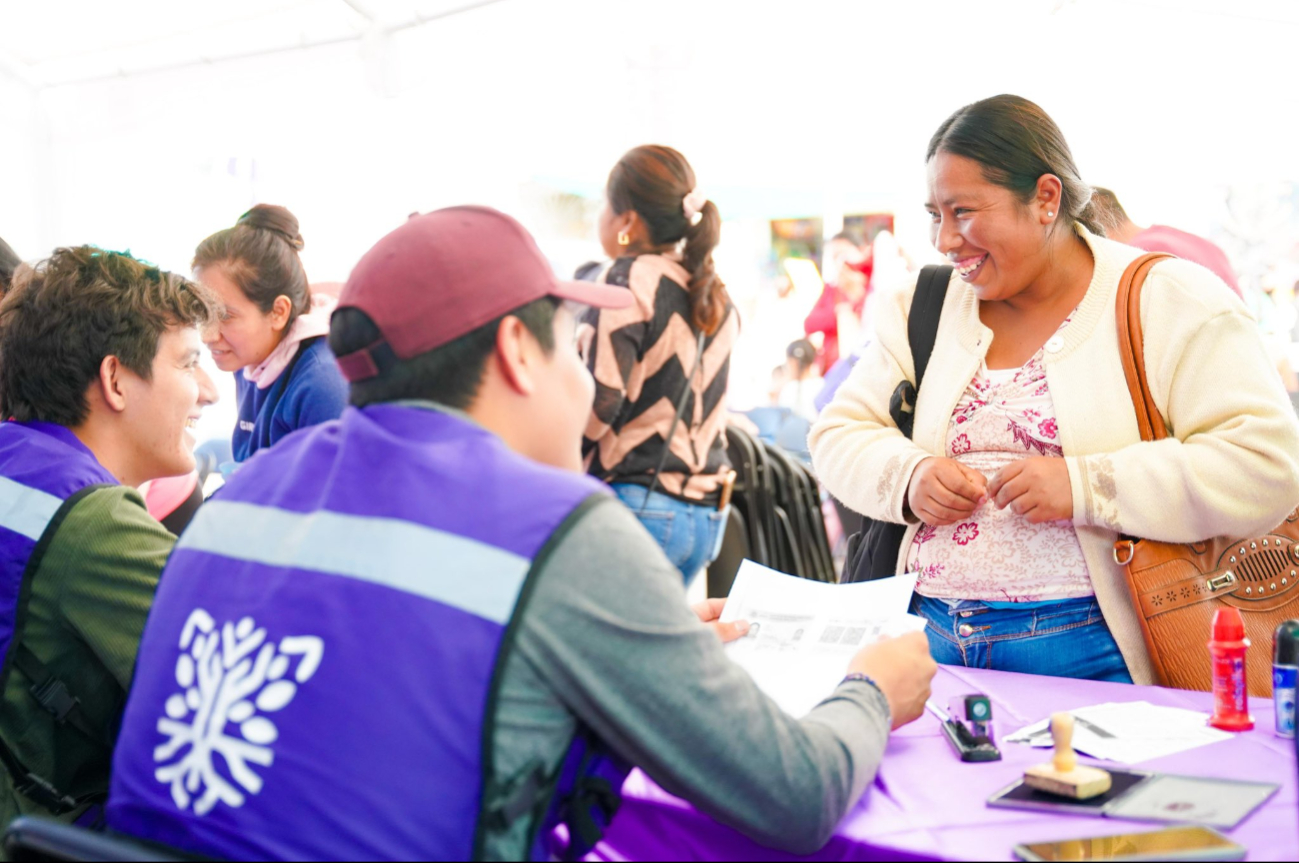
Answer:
(1161, 238)
(822, 319)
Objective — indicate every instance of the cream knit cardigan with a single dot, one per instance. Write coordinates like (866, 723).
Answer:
(1231, 467)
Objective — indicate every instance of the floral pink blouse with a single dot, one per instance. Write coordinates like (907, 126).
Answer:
(995, 555)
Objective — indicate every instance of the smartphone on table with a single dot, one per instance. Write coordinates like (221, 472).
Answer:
(1172, 843)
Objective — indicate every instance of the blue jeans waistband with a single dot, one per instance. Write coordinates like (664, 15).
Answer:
(1065, 638)
(959, 605)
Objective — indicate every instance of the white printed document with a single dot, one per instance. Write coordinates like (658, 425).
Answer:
(1129, 732)
(804, 633)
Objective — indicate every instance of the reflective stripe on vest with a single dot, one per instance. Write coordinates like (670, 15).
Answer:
(380, 550)
(316, 671)
(41, 466)
(25, 510)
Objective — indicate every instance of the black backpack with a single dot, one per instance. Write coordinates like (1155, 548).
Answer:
(873, 552)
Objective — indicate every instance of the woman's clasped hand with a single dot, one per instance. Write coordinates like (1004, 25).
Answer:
(943, 491)
(1035, 487)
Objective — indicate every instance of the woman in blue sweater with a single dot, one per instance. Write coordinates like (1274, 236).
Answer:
(272, 332)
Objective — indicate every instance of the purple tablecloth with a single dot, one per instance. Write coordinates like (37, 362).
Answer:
(927, 805)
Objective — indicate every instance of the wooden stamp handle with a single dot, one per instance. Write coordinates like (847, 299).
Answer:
(1062, 733)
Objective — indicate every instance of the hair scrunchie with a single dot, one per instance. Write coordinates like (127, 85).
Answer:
(692, 205)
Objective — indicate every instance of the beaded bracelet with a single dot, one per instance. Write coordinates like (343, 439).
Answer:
(864, 678)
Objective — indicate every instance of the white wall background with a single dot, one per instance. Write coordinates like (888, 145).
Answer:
(147, 125)
(782, 107)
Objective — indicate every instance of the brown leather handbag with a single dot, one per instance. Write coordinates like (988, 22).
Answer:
(1177, 587)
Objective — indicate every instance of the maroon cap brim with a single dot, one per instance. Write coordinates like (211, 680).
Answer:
(594, 294)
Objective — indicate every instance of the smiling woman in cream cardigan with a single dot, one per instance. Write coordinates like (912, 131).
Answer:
(1026, 462)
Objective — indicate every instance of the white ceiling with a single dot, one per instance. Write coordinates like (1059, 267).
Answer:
(148, 124)
(59, 42)
(356, 112)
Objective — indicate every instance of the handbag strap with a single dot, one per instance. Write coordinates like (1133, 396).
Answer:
(1127, 306)
(676, 420)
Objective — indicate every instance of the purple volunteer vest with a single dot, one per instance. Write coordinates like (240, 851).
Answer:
(317, 676)
(42, 465)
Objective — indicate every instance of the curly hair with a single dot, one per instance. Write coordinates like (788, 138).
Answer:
(9, 261)
(69, 312)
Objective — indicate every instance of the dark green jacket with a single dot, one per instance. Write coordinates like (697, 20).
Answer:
(88, 603)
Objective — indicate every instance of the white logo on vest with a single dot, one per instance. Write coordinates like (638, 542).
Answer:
(227, 677)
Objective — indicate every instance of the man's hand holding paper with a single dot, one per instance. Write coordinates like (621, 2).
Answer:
(804, 636)
(710, 612)
(903, 670)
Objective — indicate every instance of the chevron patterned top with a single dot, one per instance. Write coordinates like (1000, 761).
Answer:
(640, 358)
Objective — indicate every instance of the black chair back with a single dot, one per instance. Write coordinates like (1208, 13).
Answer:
(735, 548)
(777, 506)
(38, 840)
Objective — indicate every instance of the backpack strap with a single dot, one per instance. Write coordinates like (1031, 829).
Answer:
(926, 308)
(534, 791)
(51, 693)
(34, 787)
(922, 333)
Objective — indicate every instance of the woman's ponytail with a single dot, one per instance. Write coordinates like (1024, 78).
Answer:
(708, 298)
(1090, 218)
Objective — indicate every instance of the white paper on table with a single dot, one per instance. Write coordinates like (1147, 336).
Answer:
(802, 634)
(1129, 732)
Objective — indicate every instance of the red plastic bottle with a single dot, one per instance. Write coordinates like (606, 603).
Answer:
(1227, 648)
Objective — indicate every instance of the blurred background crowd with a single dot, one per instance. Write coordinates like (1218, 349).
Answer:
(144, 127)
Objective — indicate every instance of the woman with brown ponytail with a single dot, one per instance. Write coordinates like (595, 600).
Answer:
(272, 330)
(661, 232)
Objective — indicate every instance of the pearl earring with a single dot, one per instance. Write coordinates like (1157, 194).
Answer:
(1051, 213)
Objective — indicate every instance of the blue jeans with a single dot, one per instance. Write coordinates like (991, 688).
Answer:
(1068, 638)
(689, 534)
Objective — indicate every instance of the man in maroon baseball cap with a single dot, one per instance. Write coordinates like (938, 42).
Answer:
(607, 640)
(460, 307)
(474, 620)
(446, 273)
